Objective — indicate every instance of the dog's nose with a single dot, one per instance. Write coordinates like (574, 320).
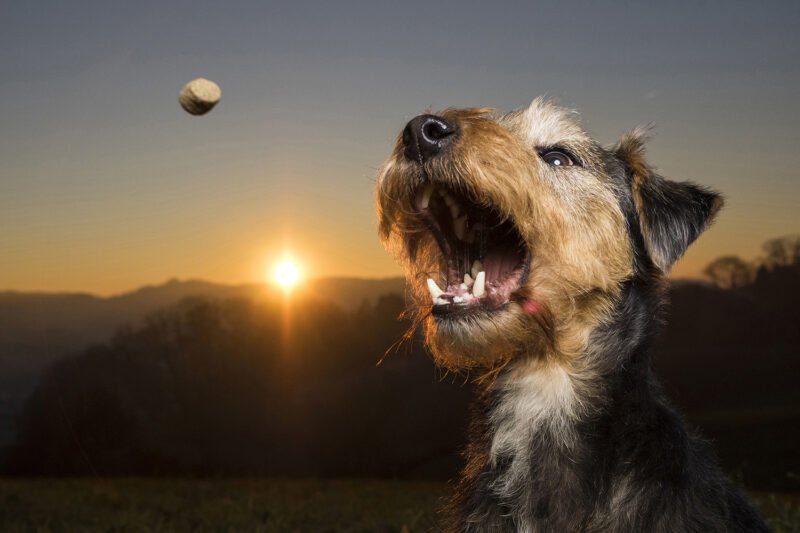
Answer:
(426, 135)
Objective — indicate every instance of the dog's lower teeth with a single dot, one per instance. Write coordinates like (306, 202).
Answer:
(479, 287)
(434, 289)
(477, 266)
(472, 290)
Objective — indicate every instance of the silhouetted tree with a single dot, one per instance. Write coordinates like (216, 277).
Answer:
(782, 252)
(219, 387)
(729, 272)
(241, 387)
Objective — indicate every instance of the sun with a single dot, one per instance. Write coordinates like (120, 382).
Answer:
(287, 274)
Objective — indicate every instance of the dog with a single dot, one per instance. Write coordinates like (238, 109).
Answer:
(537, 260)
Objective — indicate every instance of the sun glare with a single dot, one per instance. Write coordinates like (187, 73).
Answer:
(287, 274)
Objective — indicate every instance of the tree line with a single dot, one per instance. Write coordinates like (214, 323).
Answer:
(301, 387)
(781, 254)
(242, 388)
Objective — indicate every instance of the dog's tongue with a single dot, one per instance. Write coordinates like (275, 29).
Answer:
(500, 262)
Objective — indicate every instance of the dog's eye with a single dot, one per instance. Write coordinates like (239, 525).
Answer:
(557, 158)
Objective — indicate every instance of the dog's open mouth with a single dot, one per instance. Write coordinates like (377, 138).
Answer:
(485, 258)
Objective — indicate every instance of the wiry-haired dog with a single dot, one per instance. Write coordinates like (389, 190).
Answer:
(538, 260)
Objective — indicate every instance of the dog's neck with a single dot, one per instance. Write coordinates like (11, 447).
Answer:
(535, 398)
(551, 395)
(543, 438)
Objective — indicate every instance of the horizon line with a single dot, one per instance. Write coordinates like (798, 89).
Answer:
(178, 280)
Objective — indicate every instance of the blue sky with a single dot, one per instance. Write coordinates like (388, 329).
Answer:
(106, 184)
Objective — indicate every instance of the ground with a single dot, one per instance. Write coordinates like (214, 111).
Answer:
(257, 505)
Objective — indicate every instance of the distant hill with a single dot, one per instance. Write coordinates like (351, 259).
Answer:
(38, 328)
(728, 358)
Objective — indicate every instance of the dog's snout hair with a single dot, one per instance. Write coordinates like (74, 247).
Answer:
(537, 259)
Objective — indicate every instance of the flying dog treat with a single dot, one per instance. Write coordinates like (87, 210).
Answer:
(199, 96)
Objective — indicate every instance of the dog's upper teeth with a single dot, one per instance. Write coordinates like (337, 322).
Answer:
(477, 266)
(479, 287)
(434, 289)
(460, 227)
(455, 210)
(468, 279)
(426, 196)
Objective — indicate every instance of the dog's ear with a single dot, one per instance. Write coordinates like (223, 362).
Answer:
(671, 214)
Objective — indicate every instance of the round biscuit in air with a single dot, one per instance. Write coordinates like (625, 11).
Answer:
(199, 96)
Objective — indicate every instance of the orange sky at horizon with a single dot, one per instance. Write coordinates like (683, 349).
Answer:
(107, 185)
(258, 266)
(190, 225)
(233, 231)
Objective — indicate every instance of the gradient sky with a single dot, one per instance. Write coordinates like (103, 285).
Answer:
(106, 184)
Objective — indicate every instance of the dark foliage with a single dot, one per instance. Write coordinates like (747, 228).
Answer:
(221, 387)
(730, 359)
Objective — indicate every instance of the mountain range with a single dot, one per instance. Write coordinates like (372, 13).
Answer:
(38, 328)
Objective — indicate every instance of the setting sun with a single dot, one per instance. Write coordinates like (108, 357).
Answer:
(287, 274)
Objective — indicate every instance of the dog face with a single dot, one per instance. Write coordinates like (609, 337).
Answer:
(518, 231)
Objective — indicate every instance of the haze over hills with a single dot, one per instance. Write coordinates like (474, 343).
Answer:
(727, 357)
(54, 321)
(38, 328)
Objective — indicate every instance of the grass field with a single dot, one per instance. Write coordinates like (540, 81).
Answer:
(150, 505)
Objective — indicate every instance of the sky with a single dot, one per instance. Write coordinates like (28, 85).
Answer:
(107, 185)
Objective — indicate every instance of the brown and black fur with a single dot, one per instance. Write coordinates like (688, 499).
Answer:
(571, 431)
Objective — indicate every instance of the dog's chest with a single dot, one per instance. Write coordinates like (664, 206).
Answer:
(533, 434)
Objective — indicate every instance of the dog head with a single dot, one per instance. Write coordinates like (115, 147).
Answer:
(518, 231)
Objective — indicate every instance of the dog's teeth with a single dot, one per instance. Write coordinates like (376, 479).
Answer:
(468, 279)
(426, 196)
(463, 286)
(455, 210)
(457, 299)
(460, 227)
(479, 287)
(477, 266)
(434, 290)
